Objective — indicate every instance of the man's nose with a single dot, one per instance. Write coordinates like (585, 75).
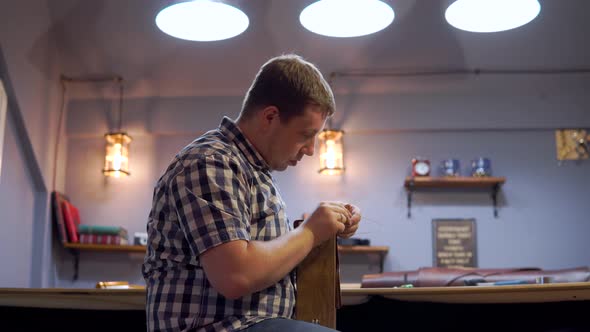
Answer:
(308, 149)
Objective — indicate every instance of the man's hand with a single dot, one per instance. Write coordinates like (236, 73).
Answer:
(328, 219)
(353, 222)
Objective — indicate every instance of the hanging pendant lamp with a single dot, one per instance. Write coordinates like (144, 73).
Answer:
(331, 152)
(116, 161)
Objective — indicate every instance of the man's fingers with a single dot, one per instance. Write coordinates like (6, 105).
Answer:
(349, 231)
(342, 217)
(346, 235)
(338, 207)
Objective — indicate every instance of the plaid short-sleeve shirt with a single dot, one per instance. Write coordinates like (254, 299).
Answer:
(217, 189)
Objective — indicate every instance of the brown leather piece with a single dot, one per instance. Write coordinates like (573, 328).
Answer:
(337, 284)
(438, 277)
(389, 279)
(338, 299)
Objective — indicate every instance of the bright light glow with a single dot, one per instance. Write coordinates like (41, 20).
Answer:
(346, 18)
(491, 15)
(202, 20)
(117, 155)
(331, 152)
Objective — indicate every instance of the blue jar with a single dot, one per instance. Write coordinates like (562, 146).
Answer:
(481, 167)
(450, 167)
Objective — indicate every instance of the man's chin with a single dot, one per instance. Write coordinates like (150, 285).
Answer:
(280, 168)
(284, 166)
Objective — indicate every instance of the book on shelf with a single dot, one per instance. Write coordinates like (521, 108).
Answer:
(103, 239)
(102, 230)
(57, 215)
(71, 218)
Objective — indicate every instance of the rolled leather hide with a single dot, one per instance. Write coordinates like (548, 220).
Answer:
(438, 277)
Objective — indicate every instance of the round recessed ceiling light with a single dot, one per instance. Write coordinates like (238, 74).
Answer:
(202, 20)
(491, 15)
(346, 18)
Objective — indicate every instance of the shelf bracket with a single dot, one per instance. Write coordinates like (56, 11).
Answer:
(495, 189)
(76, 254)
(410, 191)
(491, 185)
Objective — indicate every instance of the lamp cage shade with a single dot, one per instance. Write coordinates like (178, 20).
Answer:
(116, 161)
(331, 152)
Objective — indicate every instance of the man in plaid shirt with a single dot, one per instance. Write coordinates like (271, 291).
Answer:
(221, 252)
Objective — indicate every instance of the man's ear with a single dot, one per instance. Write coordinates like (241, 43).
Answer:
(269, 115)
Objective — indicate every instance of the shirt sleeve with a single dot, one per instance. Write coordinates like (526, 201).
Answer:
(211, 198)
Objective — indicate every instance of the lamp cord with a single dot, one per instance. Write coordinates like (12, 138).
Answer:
(58, 136)
(120, 105)
(65, 79)
(330, 84)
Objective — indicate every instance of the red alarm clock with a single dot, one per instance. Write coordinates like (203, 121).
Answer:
(420, 167)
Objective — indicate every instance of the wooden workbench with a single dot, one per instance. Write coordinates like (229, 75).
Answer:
(134, 299)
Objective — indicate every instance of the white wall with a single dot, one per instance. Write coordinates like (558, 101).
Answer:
(542, 212)
(17, 214)
(31, 70)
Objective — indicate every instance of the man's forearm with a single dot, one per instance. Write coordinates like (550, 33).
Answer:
(238, 268)
(267, 262)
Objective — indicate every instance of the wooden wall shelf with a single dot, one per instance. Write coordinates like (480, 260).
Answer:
(492, 184)
(379, 250)
(363, 249)
(453, 182)
(75, 248)
(105, 247)
(141, 249)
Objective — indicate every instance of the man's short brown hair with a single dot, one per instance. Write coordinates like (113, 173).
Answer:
(290, 83)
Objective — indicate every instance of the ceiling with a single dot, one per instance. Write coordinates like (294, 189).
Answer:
(120, 37)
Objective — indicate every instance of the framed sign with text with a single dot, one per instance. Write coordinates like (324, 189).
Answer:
(454, 243)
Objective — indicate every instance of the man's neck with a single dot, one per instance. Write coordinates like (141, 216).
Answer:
(252, 134)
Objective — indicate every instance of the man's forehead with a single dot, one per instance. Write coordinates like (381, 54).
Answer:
(311, 120)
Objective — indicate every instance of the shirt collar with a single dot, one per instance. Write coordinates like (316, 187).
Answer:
(235, 135)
